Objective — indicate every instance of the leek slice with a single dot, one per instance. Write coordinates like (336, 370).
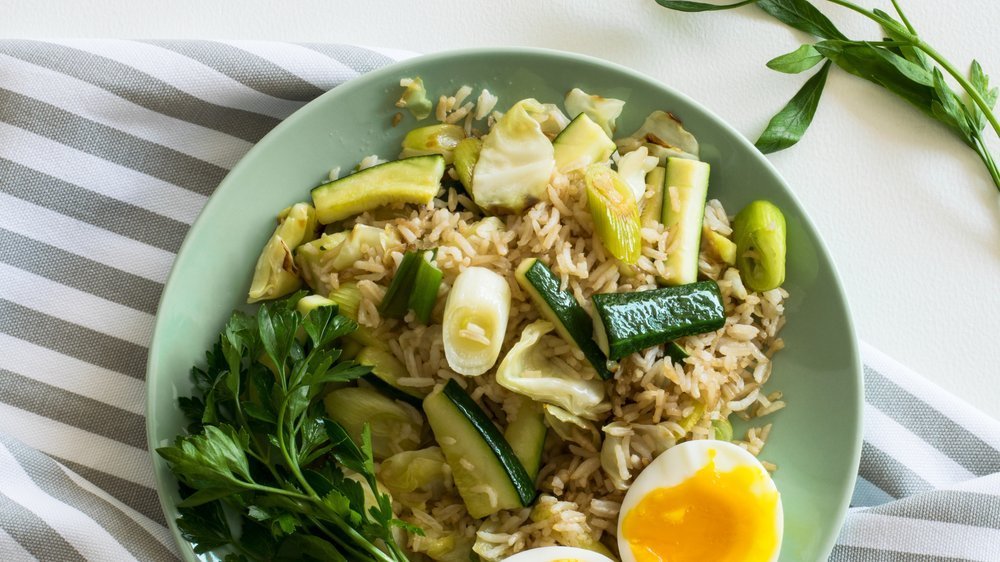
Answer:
(615, 212)
(475, 320)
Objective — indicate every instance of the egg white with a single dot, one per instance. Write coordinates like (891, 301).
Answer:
(550, 553)
(679, 463)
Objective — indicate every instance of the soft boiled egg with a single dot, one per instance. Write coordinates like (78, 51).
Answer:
(699, 501)
(558, 554)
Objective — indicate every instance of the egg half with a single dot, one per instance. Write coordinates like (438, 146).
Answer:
(558, 554)
(701, 500)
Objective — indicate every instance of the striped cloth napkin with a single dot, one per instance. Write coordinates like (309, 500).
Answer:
(109, 149)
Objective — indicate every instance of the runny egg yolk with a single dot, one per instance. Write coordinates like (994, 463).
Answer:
(717, 516)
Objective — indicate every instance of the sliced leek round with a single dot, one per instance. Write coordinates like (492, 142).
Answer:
(475, 321)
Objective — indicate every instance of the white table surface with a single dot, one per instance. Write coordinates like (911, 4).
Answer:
(909, 214)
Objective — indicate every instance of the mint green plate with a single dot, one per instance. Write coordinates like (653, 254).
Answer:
(815, 441)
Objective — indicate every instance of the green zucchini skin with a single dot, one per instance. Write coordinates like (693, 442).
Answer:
(560, 307)
(519, 478)
(639, 320)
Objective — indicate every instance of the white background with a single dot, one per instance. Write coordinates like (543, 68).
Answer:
(909, 214)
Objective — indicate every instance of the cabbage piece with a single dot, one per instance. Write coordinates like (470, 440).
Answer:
(614, 458)
(633, 167)
(409, 471)
(338, 251)
(276, 274)
(530, 370)
(571, 428)
(664, 136)
(601, 110)
(551, 119)
(515, 162)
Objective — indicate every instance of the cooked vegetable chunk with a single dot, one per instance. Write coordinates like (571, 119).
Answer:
(335, 252)
(466, 155)
(685, 190)
(526, 435)
(759, 233)
(664, 136)
(630, 322)
(515, 162)
(529, 369)
(414, 98)
(388, 370)
(433, 139)
(603, 111)
(487, 473)
(581, 144)
(475, 320)
(615, 212)
(276, 274)
(410, 180)
(394, 427)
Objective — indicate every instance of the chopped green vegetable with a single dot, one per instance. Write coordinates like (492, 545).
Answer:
(396, 301)
(664, 136)
(475, 320)
(675, 352)
(688, 422)
(426, 283)
(722, 430)
(570, 427)
(685, 190)
(487, 473)
(348, 298)
(433, 139)
(466, 155)
(581, 144)
(336, 252)
(275, 274)
(630, 322)
(561, 308)
(652, 202)
(260, 445)
(526, 435)
(615, 212)
(633, 167)
(410, 180)
(408, 471)
(722, 247)
(528, 369)
(759, 233)
(387, 370)
(414, 98)
(601, 110)
(393, 427)
(515, 163)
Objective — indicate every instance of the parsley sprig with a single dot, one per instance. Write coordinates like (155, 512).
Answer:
(259, 446)
(902, 63)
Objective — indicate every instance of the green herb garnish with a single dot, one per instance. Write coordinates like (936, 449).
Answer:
(902, 63)
(261, 447)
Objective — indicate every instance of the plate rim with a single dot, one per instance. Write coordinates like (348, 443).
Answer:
(346, 89)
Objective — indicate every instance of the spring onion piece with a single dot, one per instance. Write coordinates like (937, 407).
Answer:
(394, 427)
(348, 297)
(759, 233)
(688, 422)
(396, 301)
(309, 303)
(410, 180)
(414, 98)
(652, 201)
(475, 320)
(628, 322)
(675, 352)
(425, 288)
(723, 430)
(465, 157)
(720, 246)
(530, 370)
(276, 274)
(603, 111)
(615, 213)
(433, 139)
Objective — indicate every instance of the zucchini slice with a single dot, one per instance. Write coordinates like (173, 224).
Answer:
(581, 144)
(410, 180)
(652, 205)
(526, 435)
(487, 472)
(385, 375)
(560, 307)
(685, 190)
(630, 322)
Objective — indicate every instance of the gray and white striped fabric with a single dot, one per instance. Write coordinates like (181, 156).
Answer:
(109, 149)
